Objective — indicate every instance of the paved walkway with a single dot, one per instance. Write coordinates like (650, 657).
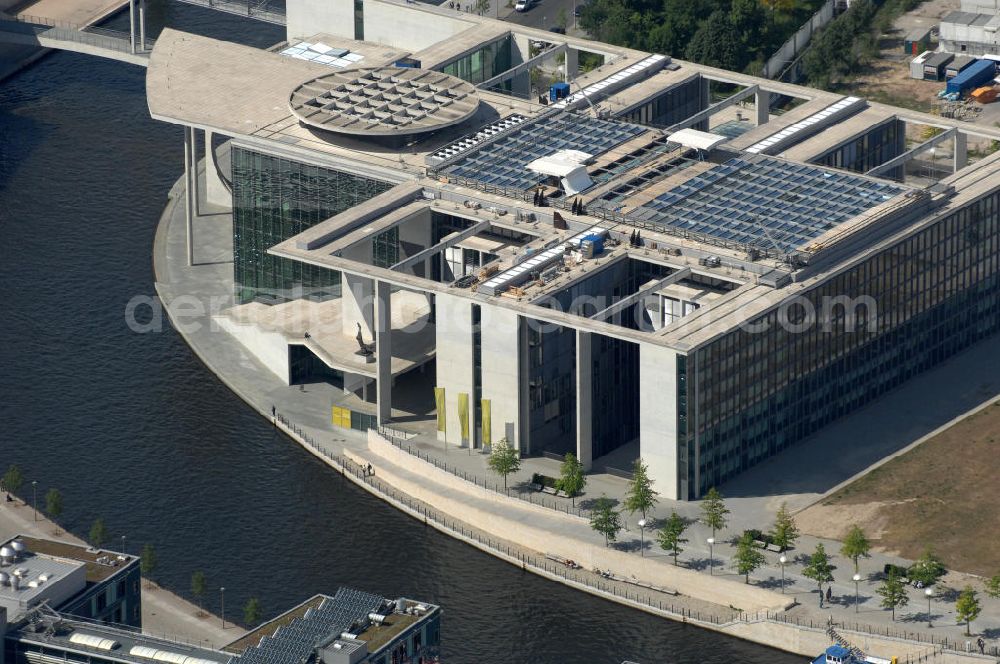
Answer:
(211, 279)
(163, 613)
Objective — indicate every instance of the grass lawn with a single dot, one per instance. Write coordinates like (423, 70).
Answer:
(944, 494)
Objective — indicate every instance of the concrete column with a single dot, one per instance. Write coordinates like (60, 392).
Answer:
(658, 416)
(357, 295)
(188, 211)
(961, 150)
(572, 64)
(501, 371)
(131, 24)
(215, 191)
(584, 399)
(142, 25)
(194, 173)
(383, 350)
(453, 339)
(763, 102)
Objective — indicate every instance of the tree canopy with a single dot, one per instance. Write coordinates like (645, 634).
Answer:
(967, 608)
(504, 460)
(13, 479)
(98, 533)
(748, 557)
(198, 586)
(819, 569)
(606, 520)
(927, 569)
(670, 535)
(714, 510)
(856, 545)
(640, 496)
(571, 477)
(785, 531)
(893, 593)
(54, 503)
(252, 612)
(148, 561)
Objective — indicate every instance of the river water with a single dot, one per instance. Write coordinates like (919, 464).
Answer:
(133, 428)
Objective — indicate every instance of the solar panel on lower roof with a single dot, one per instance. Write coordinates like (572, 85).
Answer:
(504, 162)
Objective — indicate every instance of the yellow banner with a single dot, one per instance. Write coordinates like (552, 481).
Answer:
(463, 414)
(439, 405)
(342, 417)
(487, 424)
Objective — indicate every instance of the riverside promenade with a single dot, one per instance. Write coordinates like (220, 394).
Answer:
(164, 614)
(708, 592)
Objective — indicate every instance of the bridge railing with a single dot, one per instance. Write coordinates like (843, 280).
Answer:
(262, 10)
(114, 40)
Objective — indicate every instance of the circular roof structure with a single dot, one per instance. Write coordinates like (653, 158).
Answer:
(383, 101)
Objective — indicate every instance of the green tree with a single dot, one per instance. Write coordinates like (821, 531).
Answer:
(927, 569)
(606, 520)
(571, 477)
(198, 587)
(640, 496)
(147, 561)
(819, 569)
(252, 612)
(893, 593)
(967, 608)
(98, 533)
(54, 503)
(714, 510)
(562, 20)
(504, 460)
(993, 586)
(785, 531)
(13, 479)
(748, 557)
(671, 535)
(482, 7)
(856, 545)
(717, 44)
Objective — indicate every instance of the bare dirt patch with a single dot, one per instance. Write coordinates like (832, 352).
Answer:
(944, 494)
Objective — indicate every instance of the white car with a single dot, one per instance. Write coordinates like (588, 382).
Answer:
(523, 5)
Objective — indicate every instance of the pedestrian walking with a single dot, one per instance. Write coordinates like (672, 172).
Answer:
(982, 645)
(829, 594)
(273, 410)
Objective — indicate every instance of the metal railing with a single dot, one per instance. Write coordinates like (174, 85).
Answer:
(261, 10)
(621, 590)
(104, 38)
(520, 492)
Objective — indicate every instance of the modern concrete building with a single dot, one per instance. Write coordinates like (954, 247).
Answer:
(687, 265)
(94, 584)
(350, 627)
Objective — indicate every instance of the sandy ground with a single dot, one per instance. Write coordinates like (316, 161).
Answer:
(942, 494)
(163, 612)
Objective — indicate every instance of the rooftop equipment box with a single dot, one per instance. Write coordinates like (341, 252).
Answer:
(918, 41)
(558, 91)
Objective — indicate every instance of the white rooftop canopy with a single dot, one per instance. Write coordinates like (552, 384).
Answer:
(699, 140)
(566, 165)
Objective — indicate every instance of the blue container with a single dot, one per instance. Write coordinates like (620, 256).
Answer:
(558, 91)
(597, 240)
(978, 73)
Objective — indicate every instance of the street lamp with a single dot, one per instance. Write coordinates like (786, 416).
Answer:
(711, 555)
(782, 559)
(642, 540)
(222, 591)
(930, 593)
(123, 545)
(34, 497)
(856, 577)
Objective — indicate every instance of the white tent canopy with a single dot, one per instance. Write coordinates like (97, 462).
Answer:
(567, 165)
(699, 140)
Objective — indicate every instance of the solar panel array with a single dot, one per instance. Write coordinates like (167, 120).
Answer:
(323, 54)
(642, 69)
(468, 142)
(503, 163)
(765, 202)
(807, 127)
(295, 642)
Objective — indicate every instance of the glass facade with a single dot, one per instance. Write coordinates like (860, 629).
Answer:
(678, 103)
(884, 142)
(551, 389)
(754, 394)
(489, 61)
(385, 248)
(274, 199)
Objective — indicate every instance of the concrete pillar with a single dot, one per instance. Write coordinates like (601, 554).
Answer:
(572, 64)
(658, 416)
(131, 24)
(215, 190)
(383, 350)
(584, 399)
(763, 102)
(194, 173)
(454, 359)
(358, 303)
(961, 150)
(142, 25)
(501, 371)
(188, 210)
